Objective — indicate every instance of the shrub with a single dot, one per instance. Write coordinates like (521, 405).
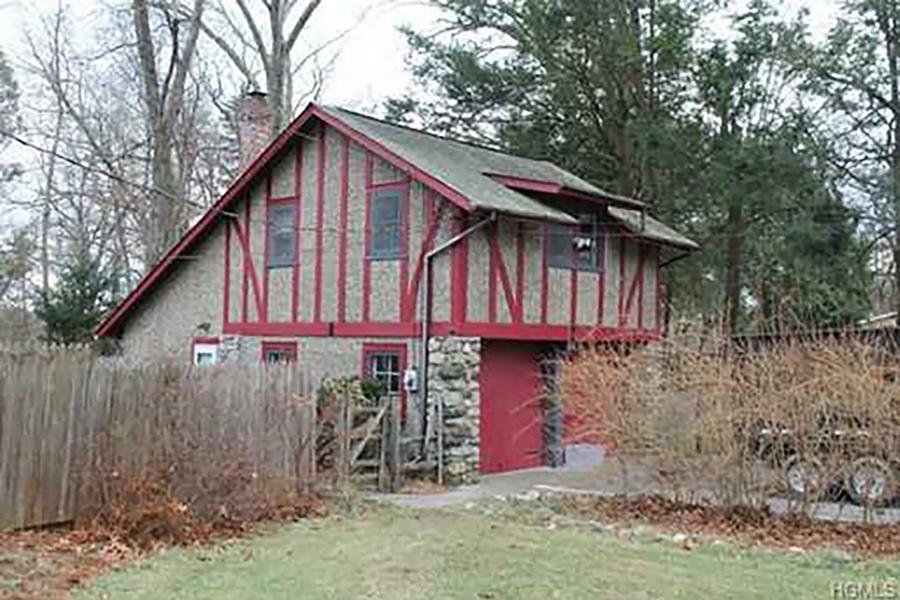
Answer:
(726, 424)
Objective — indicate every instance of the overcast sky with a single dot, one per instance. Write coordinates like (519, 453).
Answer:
(371, 64)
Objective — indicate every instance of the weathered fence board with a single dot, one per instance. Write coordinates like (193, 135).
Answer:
(64, 416)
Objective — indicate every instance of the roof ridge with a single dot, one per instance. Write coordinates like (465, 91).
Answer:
(443, 138)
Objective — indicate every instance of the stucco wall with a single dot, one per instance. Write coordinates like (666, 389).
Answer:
(197, 282)
(188, 304)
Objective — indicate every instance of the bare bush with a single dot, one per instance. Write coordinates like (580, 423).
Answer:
(801, 416)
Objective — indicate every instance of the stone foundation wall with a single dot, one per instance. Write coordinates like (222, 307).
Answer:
(453, 367)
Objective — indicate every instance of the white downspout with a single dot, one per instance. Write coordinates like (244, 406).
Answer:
(425, 310)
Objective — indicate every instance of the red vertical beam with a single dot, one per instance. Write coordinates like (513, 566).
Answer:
(342, 242)
(660, 293)
(298, 232)
(640, 317)
(320, 222)
(601, 274)
(226, 300)
(492, 272)
(265, 293)
(404, 249)
(460, 281)
(622, 292)
(573, 296)
(545, 273)
(520, 272)
(245, 265)
(367, 274)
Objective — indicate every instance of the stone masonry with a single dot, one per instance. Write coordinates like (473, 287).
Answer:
(453, 366)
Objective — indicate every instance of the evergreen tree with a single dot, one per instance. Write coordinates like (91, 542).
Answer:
(73, 308)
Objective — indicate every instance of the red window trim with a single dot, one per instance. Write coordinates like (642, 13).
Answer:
(289, 348)
(403, 186)
(202, 340)
(370, 348)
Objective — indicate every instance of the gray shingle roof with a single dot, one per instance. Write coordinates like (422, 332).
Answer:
(652, 229)
(465, 168)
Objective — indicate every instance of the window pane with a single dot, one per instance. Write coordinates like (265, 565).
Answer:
(559, 246)
(385, 367)
(282, 236)
(385, 223)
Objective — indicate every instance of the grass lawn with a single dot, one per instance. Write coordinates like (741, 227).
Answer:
(393, 553)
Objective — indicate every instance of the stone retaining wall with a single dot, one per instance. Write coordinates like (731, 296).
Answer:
(453, 367)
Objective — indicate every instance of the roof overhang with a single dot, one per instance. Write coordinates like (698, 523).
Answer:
(554, 188)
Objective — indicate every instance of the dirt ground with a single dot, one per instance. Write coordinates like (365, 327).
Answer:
(47, 564)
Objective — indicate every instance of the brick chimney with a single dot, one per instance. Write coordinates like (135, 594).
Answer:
(254, 125)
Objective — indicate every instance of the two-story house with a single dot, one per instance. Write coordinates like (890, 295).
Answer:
(445, 269)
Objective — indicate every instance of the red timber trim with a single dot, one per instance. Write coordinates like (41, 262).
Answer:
(226, 299)
(433, 218)
(320, 221)
(491, 233)
(246, 258)
(660, 292)
(288, 347)
(545, 274)
(498, 271)
(621, 294)
(635, 289)
(370, 348)
(404, 249)
(266, 222)
(342, 242)
(641, 276)
(298, 250)
(601, 275)
(249, 273)
(459, 283)
(520, 271)
(238, 189)
(367, 267)
(411, 330)
(573, 297)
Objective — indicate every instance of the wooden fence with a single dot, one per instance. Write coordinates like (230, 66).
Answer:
(70, 425)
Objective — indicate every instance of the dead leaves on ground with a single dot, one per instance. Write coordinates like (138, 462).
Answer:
(756, 526)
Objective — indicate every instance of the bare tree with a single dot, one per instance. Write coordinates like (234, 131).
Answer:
(283, 22)
(164, 99)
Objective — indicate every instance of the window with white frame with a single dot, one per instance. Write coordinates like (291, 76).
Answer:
(206, 353)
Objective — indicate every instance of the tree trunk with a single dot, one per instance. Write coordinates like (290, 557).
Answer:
(735, 259)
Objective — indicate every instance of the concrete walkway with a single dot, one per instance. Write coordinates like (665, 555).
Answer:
(595, 476)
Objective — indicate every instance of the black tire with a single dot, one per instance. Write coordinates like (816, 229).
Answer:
(804, 477)
(870, 481)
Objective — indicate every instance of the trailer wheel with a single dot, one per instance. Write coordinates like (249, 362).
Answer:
(870, 481)
(803, 477)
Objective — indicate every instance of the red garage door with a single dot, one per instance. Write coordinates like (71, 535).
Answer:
(511, 414)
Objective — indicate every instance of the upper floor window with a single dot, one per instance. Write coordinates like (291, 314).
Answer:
(282, 233)
(385, 222)
(575, 247)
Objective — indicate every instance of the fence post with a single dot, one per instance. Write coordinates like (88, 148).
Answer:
(389, 469)
(342, 433)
